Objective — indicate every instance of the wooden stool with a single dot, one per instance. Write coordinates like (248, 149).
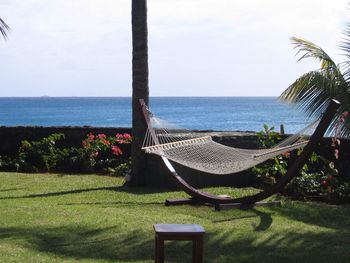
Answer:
(179, 232)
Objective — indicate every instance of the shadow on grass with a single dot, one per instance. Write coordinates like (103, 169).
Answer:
(126, 189)
(11, 189)
(116, 203)
(265, 219)
(84, 243)
(279, 247)
(223, 245)
(319, 214)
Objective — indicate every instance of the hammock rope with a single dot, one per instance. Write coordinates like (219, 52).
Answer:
(198, 151)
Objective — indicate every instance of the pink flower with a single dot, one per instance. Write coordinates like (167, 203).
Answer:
(123, 138)
(336, 153)
(90, 137)
(324, 183)
(95, 154)
(116, 150)
(335, 142)
(330, 178)
(105, 142)
(86, 144)
(286, 154)
(101, 136)
(127, 136)
(343, 116)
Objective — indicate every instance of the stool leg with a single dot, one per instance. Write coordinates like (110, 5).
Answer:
(197, 250)
(156, 248)
(159, 249)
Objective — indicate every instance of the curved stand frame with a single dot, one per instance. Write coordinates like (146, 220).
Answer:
(221, 202)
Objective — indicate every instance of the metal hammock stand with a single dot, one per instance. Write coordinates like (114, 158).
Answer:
(226, 202)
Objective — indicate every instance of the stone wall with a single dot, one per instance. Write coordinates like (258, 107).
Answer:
(11, 137)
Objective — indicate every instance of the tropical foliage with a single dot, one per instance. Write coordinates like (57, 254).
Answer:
(313, 90)
(319, 178)
(4, 28)
(99, 153)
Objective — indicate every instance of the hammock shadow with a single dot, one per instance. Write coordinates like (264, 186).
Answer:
(76, 191)
(285, 246)
(309, 213)
(123, 188)
(264, 224)
(109, 243)
(119, 203)
(115, 243)
(11, 189)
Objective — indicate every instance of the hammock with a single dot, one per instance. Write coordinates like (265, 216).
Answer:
(200, 152)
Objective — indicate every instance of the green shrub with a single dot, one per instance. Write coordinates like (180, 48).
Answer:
(98, 153)
(268, 172)
(41, 155)
(318, 178)
(8, 164)
(341, 193)
(122, 169)
(76, 160)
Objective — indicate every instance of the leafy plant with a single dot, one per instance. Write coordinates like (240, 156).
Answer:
(41, 155)
(75, 160)
(123, 169)
(98, 154)
(268, 172)
(8, 164)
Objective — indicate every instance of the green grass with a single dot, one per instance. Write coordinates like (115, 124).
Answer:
(88, 218)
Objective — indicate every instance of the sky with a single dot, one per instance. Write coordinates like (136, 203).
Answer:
(196, 47)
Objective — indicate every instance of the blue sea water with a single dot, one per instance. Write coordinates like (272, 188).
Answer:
(203, 113)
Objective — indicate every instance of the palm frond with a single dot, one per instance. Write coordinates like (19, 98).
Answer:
(345, 47)
(314, 90)
(308, 49)
(4, 28)
(311, 92)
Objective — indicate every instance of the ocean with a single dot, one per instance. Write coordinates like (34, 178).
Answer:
(201, 113)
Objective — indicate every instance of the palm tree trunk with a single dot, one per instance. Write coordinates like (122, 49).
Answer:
(139, 88)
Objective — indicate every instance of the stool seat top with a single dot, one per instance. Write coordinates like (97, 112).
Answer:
(178, 228)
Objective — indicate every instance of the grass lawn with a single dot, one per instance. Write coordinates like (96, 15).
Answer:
(88, 218)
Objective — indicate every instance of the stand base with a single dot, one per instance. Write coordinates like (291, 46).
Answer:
(181, 201)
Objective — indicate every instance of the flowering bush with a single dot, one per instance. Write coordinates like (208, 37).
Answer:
(98, 153)
(106, 153)
(100, 144)
(319, 177)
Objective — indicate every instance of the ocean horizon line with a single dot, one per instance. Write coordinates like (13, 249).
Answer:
(198, 113)
(81, 97)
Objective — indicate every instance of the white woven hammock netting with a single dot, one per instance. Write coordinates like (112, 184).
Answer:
(200, 152)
